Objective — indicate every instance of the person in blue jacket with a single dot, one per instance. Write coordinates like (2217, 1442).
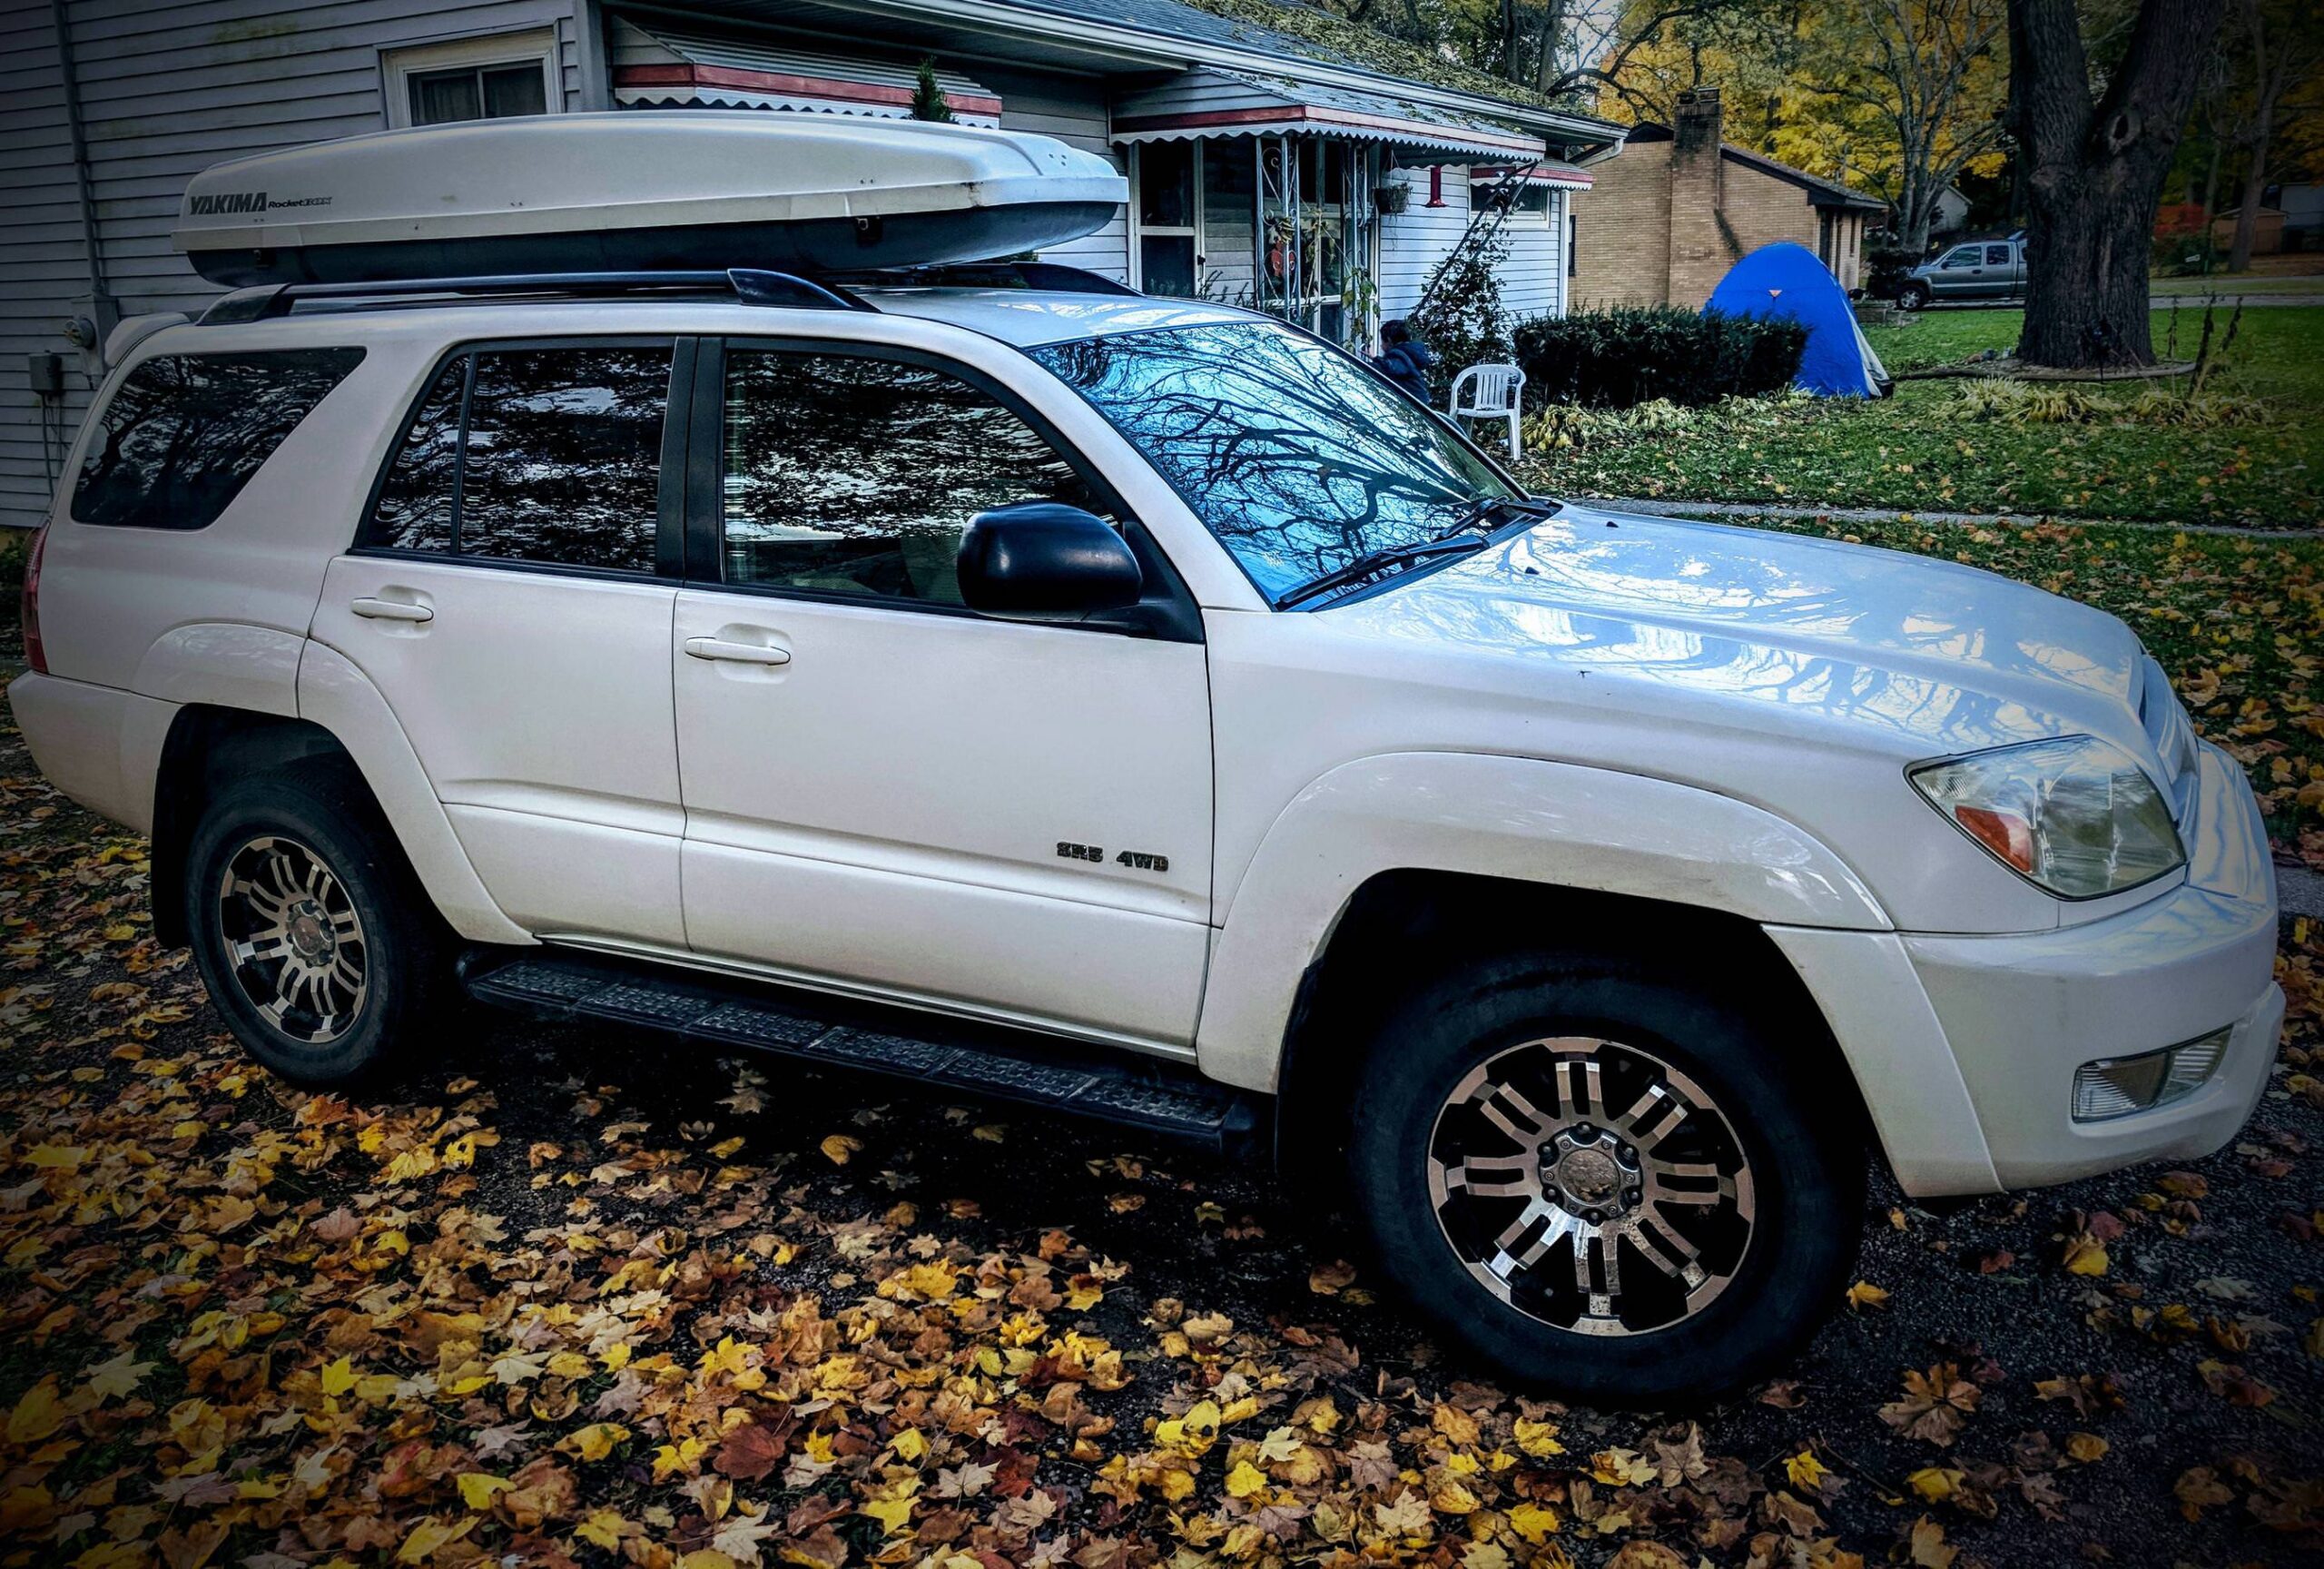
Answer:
(1405, 359)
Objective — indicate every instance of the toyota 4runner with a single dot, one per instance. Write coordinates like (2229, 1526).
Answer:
(1141, 708)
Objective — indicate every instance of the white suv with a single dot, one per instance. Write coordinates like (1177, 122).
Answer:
(1142, 708)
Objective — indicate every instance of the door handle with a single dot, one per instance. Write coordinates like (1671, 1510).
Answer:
(391, 610)
(737, 653)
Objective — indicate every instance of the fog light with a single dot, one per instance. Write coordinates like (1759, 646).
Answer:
(2118, 1086)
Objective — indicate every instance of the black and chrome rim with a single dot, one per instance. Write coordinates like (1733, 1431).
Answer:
(293, 939)
(1590, 1185)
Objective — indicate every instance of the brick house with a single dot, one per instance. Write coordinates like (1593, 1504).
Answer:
(1680, 207)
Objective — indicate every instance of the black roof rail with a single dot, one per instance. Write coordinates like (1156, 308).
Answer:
(750, 285)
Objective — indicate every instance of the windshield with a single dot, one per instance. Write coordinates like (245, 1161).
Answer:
(1298, 458)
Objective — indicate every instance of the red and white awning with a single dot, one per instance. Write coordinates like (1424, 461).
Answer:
(1550, 172)
(1206, 103)
(663, 68)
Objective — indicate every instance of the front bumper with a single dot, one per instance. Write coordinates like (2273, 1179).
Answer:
(1965, 1047)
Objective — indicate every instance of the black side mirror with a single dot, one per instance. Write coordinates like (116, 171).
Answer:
(1039, 558)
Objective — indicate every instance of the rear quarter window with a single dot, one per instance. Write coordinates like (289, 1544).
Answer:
(183, 433)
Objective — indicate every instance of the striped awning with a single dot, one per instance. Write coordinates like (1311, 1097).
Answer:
(1206, 103)
(666, 67)
(1549, 171)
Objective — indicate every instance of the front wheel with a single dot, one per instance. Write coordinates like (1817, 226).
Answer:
(1612, 1183)
(1913, 297)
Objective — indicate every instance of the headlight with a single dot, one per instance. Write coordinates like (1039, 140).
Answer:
(2076, 816)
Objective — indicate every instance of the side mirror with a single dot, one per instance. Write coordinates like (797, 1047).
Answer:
(1044, 558)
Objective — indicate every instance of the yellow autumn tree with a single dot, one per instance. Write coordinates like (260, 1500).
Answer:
(1895, 97)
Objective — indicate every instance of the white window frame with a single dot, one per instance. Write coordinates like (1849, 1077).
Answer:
(1140, 229)
(536, 45)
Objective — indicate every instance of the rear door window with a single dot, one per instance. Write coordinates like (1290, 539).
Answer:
(183, 433)
(550, 454)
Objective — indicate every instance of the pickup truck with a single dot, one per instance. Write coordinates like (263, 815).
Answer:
(1972, 270)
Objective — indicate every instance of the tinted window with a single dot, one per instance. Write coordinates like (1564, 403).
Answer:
(854, 476)
(564, 456)
(415, 508)
(184, 432)
(550, 455)
(1996, 255)
(1298, 458)
(1967, 256)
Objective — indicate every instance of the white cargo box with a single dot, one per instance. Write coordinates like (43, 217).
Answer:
(641, 191)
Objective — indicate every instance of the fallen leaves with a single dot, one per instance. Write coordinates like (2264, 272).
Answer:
(1935, 1405)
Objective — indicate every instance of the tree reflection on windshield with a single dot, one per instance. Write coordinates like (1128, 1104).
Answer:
(1295, 456)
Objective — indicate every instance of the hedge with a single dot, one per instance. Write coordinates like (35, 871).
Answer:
(1634, 354)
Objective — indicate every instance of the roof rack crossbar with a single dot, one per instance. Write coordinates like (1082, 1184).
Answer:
(1045, 277)
(751, 285)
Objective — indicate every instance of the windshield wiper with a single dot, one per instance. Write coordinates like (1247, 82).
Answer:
(1473, 520)
(1386, 558)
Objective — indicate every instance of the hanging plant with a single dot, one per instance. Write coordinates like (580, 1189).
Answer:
(1391, 199)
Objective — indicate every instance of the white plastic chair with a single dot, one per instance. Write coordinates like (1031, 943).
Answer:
(1491, 393)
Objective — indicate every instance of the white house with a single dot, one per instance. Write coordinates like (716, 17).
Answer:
(1266, 168)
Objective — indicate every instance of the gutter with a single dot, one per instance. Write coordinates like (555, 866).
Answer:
(1134, 46)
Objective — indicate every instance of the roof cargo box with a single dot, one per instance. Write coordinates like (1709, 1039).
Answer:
(640, 190)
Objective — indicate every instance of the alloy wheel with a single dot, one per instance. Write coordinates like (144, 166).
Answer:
(293, 939)
(1590, 1185)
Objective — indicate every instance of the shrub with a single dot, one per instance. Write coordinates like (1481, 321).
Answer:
(1463, 321)
(1635, 354)
(1884, 267)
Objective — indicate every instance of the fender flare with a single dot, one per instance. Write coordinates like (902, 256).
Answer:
(334, 694)
(1555, 823)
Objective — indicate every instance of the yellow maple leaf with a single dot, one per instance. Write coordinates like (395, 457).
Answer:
(1245, 1480)
(339, 1377)
(1533, 1522)
(1450, 1497)
(430, 1536)
(1538, 1439)
(2085, 1255)
(1804, 1470)
(478, 1489)
(894, 1514)
(839, 1147)
(595, 1441)
(63, 1157)
(37, 1414)
(1934, 1483)
(908, 1444)
(680, 1459)
(1864, 1294)
(2087, 1447)
(603, 1527)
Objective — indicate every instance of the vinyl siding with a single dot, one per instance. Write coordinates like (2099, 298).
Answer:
(1413, 242)
(166, 90)
(1073, 110)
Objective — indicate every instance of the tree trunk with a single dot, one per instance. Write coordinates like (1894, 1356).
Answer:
(2094, 171)
(2255, 182)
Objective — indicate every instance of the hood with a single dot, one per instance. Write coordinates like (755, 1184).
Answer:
(1927, 657)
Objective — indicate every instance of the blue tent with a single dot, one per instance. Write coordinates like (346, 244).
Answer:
(1786, 280)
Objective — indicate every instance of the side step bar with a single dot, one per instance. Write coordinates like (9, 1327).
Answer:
(992, 1063)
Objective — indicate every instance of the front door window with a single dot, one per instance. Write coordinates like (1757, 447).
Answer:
(1170, 218)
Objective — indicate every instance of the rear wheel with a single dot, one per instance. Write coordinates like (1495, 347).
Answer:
(1609, 1182)
(308, 929)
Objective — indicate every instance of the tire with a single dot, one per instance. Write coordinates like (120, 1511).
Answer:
(1913, 297)
(340, 956)
(1462, 1073)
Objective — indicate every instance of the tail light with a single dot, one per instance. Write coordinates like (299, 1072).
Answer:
(35, 652)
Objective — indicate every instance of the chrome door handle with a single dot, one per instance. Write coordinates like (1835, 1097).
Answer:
(737, 653)
(391, 610)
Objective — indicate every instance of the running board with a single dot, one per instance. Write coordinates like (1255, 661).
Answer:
(1145, 1093)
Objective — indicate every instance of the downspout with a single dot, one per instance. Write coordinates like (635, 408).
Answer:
(589, 62)
(96, 313)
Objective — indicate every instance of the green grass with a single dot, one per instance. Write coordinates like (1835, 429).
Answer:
(1918, 451)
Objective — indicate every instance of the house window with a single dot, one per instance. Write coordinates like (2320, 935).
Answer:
(1167, 176)
(472, 79)
(1572, 242)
